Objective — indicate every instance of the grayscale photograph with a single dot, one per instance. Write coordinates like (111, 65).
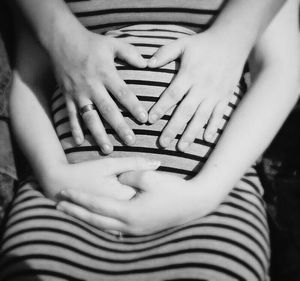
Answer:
(149, 140)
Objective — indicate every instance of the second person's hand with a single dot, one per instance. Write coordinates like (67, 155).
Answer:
(209, 71)
(85, 69)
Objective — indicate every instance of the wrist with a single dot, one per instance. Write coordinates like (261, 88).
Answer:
(61, 40)
(216, 185)
(233, 39)
(52, 178)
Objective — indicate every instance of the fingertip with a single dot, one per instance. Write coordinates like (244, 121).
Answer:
(154, 164)
(164, 141)
(78, 139)
(183, 145)
(60, 206)
(142, 62)
(153, 117)
(107, 148)
(129, 139)
(152, 62)
(143, 117)
(208, 136)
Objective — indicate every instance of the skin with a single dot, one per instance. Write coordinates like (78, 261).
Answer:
(164, 200)
(273, 93)
(30, 116)
(211, 66)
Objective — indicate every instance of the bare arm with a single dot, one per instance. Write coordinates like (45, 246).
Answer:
(274, 91)
(32, 86)
(231, 36)
(84, 66)
(211, 66)
(164, 200)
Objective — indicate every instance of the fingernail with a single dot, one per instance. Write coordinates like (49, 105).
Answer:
(142, 116)
(183, 145)
(152, 62)
(63, 193)
(106, 148)
(165, 141)
(59, 207)
(209, 136)
(78, 140)
(143, 61)
(153, 118)
(154, 163)
(129, 139)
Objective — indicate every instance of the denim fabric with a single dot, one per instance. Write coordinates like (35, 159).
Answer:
(4, 80)
(7, 166)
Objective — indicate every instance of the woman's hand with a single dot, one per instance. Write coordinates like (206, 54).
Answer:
(209, 72)
(162, 201)
(97, 177)
(86, 72)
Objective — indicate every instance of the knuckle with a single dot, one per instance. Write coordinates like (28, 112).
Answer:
(143, 177)
(173, 94)
(188, 111)
(189, 137)
(89, 117)
(98, 137)
(107, 108)
(74, 127)
(122, 93)
(205, 112)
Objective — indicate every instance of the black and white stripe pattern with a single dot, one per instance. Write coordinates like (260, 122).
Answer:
(232, 243)
(148, 84)
(229, 244)
(104, 15)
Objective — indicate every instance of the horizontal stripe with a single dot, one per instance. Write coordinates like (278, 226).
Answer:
(145, 132)
(174, 266)
(241, 219)
(22, 272)
(94, 27)
(147, 238)
(137, 260)
(143, 10)
(139, 149)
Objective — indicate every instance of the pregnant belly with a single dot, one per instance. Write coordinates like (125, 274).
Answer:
(148, 85)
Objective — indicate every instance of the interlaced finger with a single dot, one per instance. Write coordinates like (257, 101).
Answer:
(103, 205)
(87, 216)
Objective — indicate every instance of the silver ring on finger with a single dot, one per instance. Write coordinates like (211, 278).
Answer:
(86, 108)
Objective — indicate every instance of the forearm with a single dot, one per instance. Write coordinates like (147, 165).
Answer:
(29, 107)
(264, 108)
(241, 22)
(51, 21)
(33, 128)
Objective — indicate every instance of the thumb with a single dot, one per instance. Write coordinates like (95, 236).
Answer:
(117, 166)
(166, 54)
(130, 54)
(137, 179)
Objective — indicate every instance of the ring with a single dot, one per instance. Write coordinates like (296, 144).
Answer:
(86, 108)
